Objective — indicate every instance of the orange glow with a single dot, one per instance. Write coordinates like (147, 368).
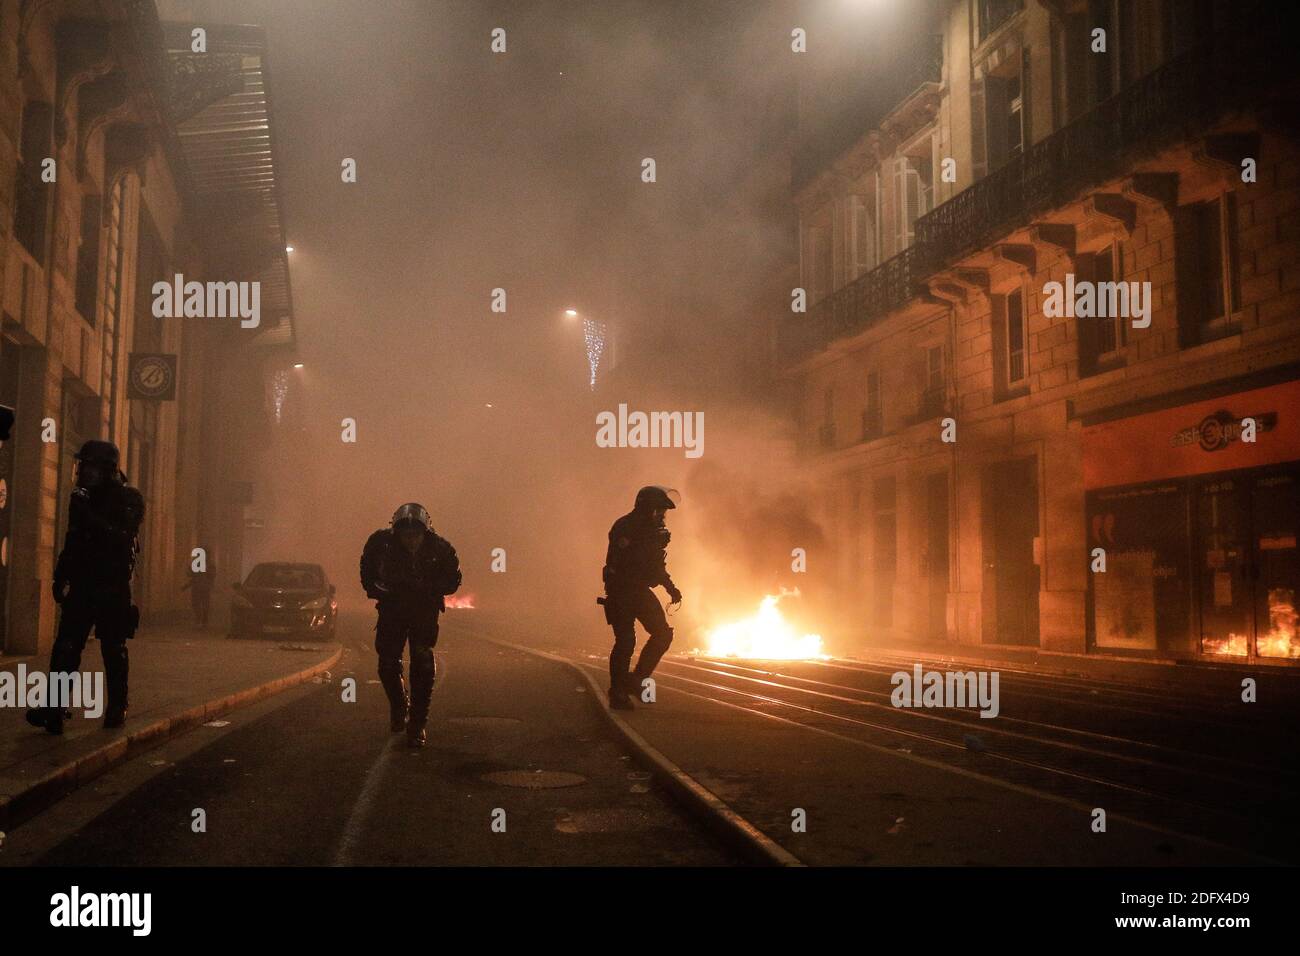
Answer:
(464, 602)
(1280, 641)
(766, 635)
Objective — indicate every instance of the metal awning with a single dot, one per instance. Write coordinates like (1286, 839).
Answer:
(220, 106)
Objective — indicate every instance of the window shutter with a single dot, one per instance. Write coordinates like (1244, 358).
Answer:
(912, 207)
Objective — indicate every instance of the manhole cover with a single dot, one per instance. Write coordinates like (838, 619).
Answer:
(535, 779)
(485, 722)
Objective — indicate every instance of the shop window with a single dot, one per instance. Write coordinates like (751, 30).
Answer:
(1141, 601)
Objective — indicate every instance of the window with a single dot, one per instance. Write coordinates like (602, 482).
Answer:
(1006, 110)
(1111, 329)
(994, 13)
(818, 263)
(1207, 268)
(872, 413)
(31, 194)
(913, 190)
(88, 258)
(862, 236)
(1015, 316)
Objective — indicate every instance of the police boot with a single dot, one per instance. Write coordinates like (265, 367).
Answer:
(422, 676)
(49, 719)
(116, 670)
(398, 702)
(619, 699)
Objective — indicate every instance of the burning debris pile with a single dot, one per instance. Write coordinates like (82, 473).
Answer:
(765, 635)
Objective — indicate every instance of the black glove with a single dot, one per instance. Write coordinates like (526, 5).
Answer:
(674, 594)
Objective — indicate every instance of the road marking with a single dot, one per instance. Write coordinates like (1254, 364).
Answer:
(353, 829)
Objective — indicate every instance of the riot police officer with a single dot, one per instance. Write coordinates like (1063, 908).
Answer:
(92, 579)
(408, 570)
(635, 563)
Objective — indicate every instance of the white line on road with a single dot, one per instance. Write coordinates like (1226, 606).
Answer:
(352, 830)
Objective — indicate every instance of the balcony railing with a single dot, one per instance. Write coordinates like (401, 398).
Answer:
(866, 299)
(1170, 104)
(1055, 170)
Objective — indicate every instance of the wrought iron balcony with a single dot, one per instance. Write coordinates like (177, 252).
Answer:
(867, 299)
(1235, 69)
(1168, 105)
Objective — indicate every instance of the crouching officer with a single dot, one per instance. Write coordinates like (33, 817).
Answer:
(636, 562)
(408, 570)
(92, 579)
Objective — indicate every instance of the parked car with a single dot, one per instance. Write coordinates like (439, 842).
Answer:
(280, 599)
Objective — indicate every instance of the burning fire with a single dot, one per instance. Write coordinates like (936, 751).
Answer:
(1278, 641)
(462, 601)
(766, 635)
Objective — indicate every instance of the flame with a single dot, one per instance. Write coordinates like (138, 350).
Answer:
(765, 635)
(1278, 641)
(462, 601)
(1234, 644)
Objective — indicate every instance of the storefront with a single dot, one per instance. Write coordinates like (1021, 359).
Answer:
(1197, 508)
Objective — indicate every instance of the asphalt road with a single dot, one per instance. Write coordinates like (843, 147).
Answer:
(305, 778)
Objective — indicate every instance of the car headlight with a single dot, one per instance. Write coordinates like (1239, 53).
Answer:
(316, 604)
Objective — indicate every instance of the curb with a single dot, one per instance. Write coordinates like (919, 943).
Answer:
(57, 784)
(725, 822)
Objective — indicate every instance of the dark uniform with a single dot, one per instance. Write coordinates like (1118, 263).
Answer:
(410, 589)
(92, 581)
(636, 562)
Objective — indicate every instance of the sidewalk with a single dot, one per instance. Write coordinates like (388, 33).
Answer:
(180, 678)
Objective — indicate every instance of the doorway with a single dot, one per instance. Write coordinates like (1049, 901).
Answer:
(1011, 574)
